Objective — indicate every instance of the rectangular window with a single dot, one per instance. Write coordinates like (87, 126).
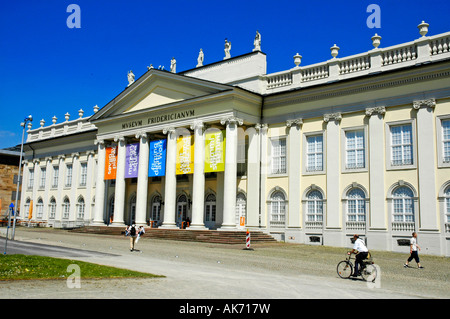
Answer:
(446, 140)
(43, 177)
(30, 178)
(314, 153)
(279, 156)
(55, 176)
(68, 175)
(401, 145)
(83, 174)
(355, 153)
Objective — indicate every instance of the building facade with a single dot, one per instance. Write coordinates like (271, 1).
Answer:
(313, 154)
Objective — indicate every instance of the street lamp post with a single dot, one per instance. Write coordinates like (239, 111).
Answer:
(24, 125)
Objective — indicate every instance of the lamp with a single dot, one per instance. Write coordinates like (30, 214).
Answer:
(24, 125)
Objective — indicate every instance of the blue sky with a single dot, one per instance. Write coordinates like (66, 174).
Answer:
(49, 69)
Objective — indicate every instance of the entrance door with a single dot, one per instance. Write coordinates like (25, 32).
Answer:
(132, 210)
(181, 209)
(241, 211)
(210, 211)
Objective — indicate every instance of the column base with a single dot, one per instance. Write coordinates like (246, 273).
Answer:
(117, 224)
(197, 227)
(169, 226)
(97, 223)
(228, 228)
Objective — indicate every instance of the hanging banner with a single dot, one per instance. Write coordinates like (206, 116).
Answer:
(185, 155)
(157, 160)
(111, 163)
(131, 160)
(215, 151)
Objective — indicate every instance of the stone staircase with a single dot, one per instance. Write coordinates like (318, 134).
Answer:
(206, 236)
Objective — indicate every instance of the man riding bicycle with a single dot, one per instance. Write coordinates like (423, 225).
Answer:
(361, 251)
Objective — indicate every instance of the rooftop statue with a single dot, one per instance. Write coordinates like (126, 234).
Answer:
(173, 65)
(227, 49)
(130, 77)
(200, 58)
(257, 42)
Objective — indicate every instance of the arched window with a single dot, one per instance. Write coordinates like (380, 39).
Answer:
(39, 208)
(403, 205)
(241, 209)
(80, 208)
(156, 208)
(447, 208)
(26, 208)
(210, 209)
(356, 206)
(66, 207)
(277, 209)
(356, 210)
(314, 208)
(52, 208)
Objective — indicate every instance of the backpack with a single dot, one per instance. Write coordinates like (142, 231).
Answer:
(132, 231)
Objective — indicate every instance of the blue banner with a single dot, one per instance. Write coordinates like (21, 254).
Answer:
(157, 160)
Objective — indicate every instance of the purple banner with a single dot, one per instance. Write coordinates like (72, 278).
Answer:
(132, 160)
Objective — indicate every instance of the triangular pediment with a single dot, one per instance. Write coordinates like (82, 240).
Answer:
(157, 88)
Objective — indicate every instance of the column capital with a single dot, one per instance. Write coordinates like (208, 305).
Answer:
(76, 154)
(119, 138)
(232, 120)
(90, 153)
(431, 103)
(297, 122)
(99, 142)
(61, 157)
(169, 130)
(375, 110)
(337, 117)
(198, 124)
(141, 134)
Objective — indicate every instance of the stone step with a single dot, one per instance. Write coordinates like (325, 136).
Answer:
(211, 236)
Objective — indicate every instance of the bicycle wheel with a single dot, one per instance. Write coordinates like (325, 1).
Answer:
(369, 273)
(344, 269)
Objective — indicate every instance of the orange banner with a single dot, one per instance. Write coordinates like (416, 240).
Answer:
(111, 163)
(30, 210)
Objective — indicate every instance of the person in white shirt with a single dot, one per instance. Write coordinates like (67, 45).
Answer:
(361, 251)
(413, 251)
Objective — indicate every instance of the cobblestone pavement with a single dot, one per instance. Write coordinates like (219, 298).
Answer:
(204, 271)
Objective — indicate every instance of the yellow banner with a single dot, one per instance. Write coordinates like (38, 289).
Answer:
(185, 155)
(215, 151)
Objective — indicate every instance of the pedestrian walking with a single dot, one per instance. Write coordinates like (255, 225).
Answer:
(132, 234)
(414, 254)
(141, 231)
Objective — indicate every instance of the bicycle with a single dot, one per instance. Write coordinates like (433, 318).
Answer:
(368, 270)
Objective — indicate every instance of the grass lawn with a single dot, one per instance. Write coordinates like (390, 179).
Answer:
(19, 267)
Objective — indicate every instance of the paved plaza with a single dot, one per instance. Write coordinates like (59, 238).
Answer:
(215, 271)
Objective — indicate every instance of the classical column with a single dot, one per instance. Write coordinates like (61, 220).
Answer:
(170, 179)
(73, 189)
(377, 217)
(253, 176)
(333, 220)
(62, 169)
(89, 215)
(429, 216)
(230, 178)
(294, 152)
(142, 183)
(119, 195)
(100, 184)
(265, 162)
(198, 198)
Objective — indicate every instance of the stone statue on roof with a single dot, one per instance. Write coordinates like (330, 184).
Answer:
(200, 58)
(130, 77)
(257, 42)
(227, 49)
(173, 65)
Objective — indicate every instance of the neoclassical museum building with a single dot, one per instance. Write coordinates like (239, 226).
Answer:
(312, 154)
